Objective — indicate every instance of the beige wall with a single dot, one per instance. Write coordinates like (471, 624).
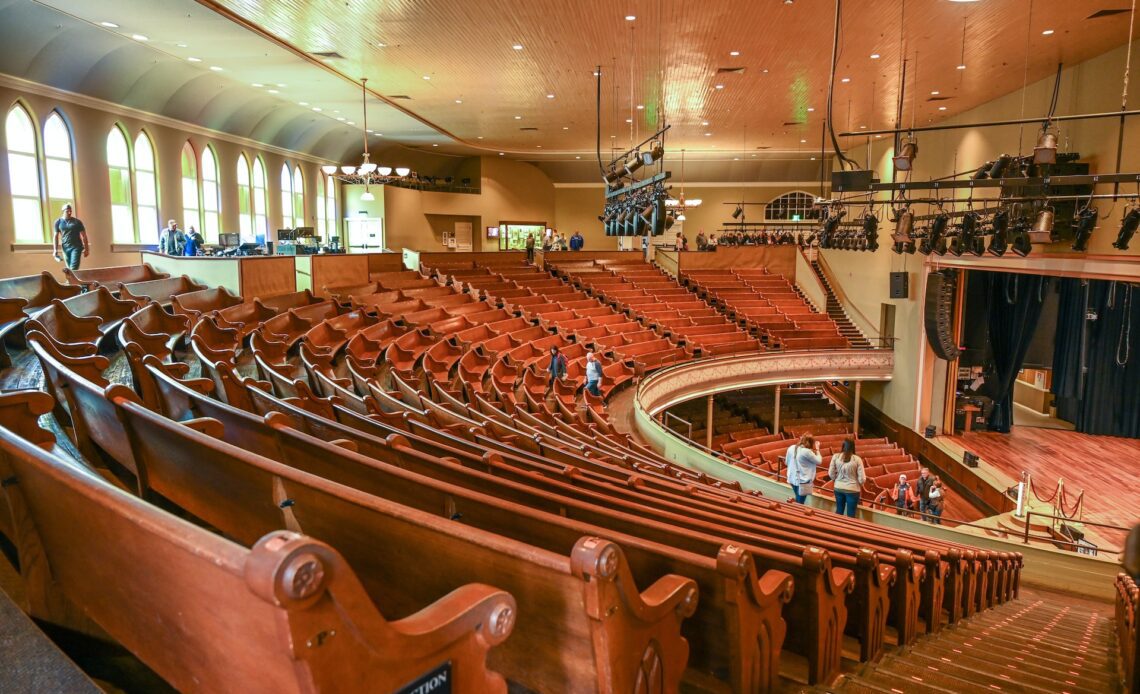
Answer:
(578, 208)
(90, 126)
(1092, 86)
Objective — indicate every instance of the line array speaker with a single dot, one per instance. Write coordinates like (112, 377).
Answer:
(941, 288)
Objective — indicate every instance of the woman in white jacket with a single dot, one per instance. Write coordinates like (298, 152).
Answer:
(802, 460)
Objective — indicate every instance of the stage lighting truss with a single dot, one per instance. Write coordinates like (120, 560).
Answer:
(639, 212)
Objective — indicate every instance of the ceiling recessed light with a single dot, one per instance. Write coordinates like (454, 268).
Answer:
(479, 138)
(630, 17)
(704, 122)
(194, 60)
(875, 56)
(1047, 32)
(845, 80)
(215, 68)
(459, 101)
(961, 67)
(500, 154)
(434, 145)
(941, 108)
(628, 120)
(595, 74)
(720, 86)
(640, 107)
(110, 25)
(369, 131)
(734, 53)
(272, 91)
(935, 93)
(303, 103)
(427, 77)
(341, 119)
(803, 142)
(181, 45)
(862, 127)
(139, 37)
(381, 44)
(317, 109)
(517, 46)
(813, 158)
(518, 117)
(708, 134)
(549, 96)
(259, 85)
(577, 157)
(351, 122)
(566, 127)
(736, 158)
(878, 137)
(538, 146)
(765, 71)
(811, 109)
(282, 86)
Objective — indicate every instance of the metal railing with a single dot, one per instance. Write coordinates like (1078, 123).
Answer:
(1076, 546)
(665, 423)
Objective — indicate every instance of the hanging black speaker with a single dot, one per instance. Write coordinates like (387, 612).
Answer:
(941, 291)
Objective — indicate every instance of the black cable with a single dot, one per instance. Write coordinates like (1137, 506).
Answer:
(843, 159)
(1056, 94)
(598, 118)
(1125, 340)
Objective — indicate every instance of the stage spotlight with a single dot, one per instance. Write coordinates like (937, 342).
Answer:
(1046, 150)
(612, 177)
(633, 163)
(1021, 243)
(933, 240)
(647, 213)
(999, 166)
(654, 153)
(904, 225)
(983, 171)
(669, 221)
(998, 242)
(1127, 229)
(1086, 221)
(1043, 226)
(908, 150)
(737, 212)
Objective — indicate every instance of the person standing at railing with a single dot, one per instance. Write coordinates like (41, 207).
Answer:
(922, 487)
(901, 495)
(936, 496)
(847, 473)
(593, 374)
(802, 460)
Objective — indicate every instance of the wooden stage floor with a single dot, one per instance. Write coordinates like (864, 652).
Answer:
(1107, 468)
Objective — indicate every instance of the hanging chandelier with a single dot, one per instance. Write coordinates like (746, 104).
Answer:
(367, 172)
(680, 204)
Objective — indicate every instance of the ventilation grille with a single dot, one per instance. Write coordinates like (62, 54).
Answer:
(793, 122)
(529, 129)
(730, 70)
(940, 98)
(329, 54)
(400, 96)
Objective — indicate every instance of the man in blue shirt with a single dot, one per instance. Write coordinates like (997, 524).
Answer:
(193, 242)
(72, 235)
(576, 241)
(593, 374)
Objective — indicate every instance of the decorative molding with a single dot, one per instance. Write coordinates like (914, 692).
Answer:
(29, 87)
(1098, 266)
(713, 184)
(703, 377)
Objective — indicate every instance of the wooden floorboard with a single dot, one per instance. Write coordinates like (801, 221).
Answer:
(1105, 467)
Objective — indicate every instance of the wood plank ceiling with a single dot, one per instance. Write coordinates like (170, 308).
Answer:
(517, 75)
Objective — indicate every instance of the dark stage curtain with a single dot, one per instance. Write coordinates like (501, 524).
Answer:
(1108, 400)
(1015, 306)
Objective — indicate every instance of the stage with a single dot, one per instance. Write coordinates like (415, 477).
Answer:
(1105, 467)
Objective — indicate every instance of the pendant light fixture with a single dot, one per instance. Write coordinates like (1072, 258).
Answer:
(357, 175)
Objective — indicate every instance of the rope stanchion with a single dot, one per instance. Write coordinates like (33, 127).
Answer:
(1078, 505)
(1040, 497)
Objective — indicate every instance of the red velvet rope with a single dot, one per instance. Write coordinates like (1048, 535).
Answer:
(1042, 499)
(1076, 505)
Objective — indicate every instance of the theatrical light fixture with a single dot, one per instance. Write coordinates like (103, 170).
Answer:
(908, 150)
(1043, 226)
(611, 177)
(1086, 221)
(1046, 150)
(999, 241)
(654, 153)
(738, 212)
(1128, 227)
(904, 226)
(633, 163)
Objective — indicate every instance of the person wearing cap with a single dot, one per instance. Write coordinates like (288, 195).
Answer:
(171, 240)
(71, 236)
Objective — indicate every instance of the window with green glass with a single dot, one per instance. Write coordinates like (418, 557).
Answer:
(260, 199)
(211, 196)
(119, 173)
(146, 186)
(298, 197)
(58, 164)
(191, 215)
(286, 197)
(245, 199)
(24, 176)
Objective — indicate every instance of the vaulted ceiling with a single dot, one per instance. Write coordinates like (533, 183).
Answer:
(734, 78)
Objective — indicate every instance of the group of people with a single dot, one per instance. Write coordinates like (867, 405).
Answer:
(763, 237)
(557, 370)
(173, 241)
(554, 242)
(845, 470)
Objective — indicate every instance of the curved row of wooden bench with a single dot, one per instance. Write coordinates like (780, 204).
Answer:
(356, 448)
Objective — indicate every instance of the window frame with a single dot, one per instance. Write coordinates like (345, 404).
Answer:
(188, 152)
(55, 203)
(260, 197)
(129, 186)
(774, 207)
(136, 180)
(36, 155)
(211, 236)
(285, 183)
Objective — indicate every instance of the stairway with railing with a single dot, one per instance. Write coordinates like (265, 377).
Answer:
(835, 310)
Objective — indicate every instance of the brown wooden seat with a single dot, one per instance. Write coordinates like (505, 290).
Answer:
(295, 617)
(194, 304)
(571, 648)
(101, 303)
(112, 277)
(159, 290)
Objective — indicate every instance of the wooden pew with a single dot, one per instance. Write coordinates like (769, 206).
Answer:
(21, 296)
(206, 614)
(582, 623)
(112, 277)
(158, 290)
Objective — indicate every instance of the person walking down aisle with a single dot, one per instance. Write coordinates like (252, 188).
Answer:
(530, 248)
(593, 374)
(557, 367)
(171, 240)
(846, 470)
(701, 243)
(935, 498)
(802, 460)
(71, 235)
